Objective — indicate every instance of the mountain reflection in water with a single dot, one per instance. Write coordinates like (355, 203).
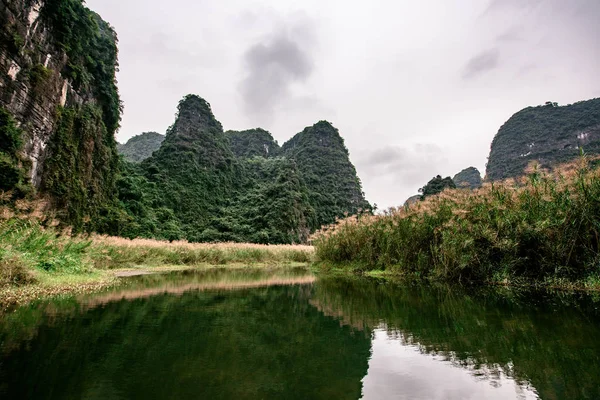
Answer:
(283, 334)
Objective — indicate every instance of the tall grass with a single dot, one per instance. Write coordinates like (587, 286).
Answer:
(545, 226)
(30, 253)
(27, 249)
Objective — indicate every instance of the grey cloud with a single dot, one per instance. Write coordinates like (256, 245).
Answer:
(409, 166)
(500, 4)
(513, 34)
(481, 63)
(273, 65)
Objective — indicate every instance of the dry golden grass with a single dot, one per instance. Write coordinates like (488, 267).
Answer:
(182, 244)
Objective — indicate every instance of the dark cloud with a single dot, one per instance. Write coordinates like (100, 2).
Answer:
(273, 65)
(481, 63)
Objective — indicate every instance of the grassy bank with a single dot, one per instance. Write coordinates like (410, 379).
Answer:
(37, 261)
(543, 229)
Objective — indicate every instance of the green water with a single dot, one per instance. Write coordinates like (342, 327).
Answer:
(286, 335)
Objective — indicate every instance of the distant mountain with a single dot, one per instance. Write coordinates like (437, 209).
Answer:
(468, 178)
(140, 147)
(324, 163)
(549, 134)
(436, 185)
(252, 143)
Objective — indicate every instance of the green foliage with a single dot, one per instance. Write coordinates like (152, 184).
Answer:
(322, 159)
(140, 147)
(194, 187)
(436, 185)
(468, 178)
(35, 249)
(38, 75)
(253, 143)
(545, 229)
(548, 134)
(81, 172)
(205, 185)
(12, 175)
(10, 136)
(91, 46)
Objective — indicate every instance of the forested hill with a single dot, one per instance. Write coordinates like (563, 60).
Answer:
(203, 184)
(60, 109)
(549, 134)
(322, 157)
(140, 147)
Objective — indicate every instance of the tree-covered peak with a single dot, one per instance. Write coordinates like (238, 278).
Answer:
(194, 117)
(321, 134)
(321, 155)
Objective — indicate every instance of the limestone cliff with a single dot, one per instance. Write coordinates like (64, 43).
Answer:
(548, 134)
(57, 80)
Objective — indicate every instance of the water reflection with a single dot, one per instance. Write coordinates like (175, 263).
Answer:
(400, 371)
(282, 335)
(545, 343)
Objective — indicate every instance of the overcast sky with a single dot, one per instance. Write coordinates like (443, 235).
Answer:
(416, 88)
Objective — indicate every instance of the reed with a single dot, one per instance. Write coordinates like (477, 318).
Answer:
(543, 227)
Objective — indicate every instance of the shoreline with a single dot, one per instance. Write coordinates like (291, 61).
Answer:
(68, 285)
(582, 286)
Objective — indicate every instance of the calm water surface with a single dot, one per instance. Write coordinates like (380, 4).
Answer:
(288, 335)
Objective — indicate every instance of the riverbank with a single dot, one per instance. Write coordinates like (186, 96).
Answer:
(38, 262)
(542, 230)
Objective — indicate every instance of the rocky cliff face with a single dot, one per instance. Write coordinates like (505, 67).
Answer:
(31, 84)
(549, 134)
(57, 80)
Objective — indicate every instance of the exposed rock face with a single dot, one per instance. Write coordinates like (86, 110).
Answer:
(140, 147)
(548, 134)
(323, 160)
(412, 200)
(31, 84)
(57, 80)
(252, 143)
(468, 178)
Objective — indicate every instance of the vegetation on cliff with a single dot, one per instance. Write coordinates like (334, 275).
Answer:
(334, 188)
(549, 134)
(12, 174)
(252, 143)
(436, 185)
(544, 228)
(140, 147)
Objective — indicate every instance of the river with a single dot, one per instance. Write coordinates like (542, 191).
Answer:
(286, 334)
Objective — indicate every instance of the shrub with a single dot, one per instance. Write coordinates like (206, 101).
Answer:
(541, 227)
